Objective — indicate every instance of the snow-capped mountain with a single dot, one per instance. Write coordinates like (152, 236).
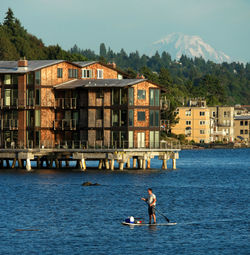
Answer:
(177, 44)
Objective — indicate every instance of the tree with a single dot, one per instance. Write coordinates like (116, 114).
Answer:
(9, 18)
(103, 51)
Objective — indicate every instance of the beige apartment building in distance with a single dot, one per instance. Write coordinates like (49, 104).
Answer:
(194, 123)
(242, 128)
(221, 123)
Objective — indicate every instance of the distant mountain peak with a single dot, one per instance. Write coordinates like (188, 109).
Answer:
(178, 44)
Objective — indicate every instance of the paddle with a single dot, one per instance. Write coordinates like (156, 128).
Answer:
(165, 217)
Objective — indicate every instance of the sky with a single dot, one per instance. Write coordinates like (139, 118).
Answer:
(135, 24)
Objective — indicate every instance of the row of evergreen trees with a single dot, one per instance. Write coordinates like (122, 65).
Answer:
(218, 83)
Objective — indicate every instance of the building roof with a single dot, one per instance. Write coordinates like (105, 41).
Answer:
(98, 83)
(242, 117)
(33, 65)
(85, 63)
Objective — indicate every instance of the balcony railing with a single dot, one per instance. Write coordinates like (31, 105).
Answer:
(9, 103)
(65, 124)
(11, 124)
(30, 102)
(66, 103)
(86, 145)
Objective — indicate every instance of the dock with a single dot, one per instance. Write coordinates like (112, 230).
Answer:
(50, 158)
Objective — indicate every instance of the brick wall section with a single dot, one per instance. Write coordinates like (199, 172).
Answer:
(47, 118)
(107, 98)
(107, 117)
(91, 117)
(108, 73)
(47, 137)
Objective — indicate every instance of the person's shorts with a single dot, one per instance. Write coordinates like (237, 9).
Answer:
(151, 210)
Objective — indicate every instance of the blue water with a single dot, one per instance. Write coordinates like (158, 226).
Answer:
(208, 196)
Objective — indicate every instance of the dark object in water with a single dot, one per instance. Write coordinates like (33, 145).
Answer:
(90, 184)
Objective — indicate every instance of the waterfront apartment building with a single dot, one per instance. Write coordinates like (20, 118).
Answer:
(222, 123)
(53, 103)
(194, 123)
(242, 128)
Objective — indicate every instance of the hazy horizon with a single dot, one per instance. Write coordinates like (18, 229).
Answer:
(136, 24)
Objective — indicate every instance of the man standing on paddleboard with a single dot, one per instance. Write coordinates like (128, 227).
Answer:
(151, 201)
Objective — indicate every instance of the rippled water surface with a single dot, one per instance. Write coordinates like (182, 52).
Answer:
(208, 196)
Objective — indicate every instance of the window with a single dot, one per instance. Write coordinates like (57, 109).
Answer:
(59, 72)
(154, 118)
(241, 122)
(99, 114)
(99, 93)
(213, 114)
(123, 114)
(38, 97)
(154, 139)
(86, 73)
(130, 139)
(202, 131)
(7, 97)
(37, 118)
(131, 118)
(202, 141)
(7, 79)
(115, 118)
(188, 122)
(246, 132)
(124, 96)
(131, 96)
(73, 73)
(140, 116)
(116, 96)
(202, 113)
(99, 135)
(30, 79)
(141, 94)
(202, 122)
(38, 77)
(188, 113)
(241, 132)
(246, 123)
(99, 73)
(119, 77)
(154, 97)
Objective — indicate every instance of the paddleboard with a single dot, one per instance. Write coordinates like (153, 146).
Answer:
(147, 224)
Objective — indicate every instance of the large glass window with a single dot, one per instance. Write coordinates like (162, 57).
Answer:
(73, 73)
(140, 116)
(116, 96)
(115, 118)
(38, 78)
(99, 135)
(7, 97)
(99, 114)
(124, 96)
(130, 139)
(154, 97)
(123, 117)
(30, 118)
(7, 79)
(30, 97)
(37, 118)
(154, 118)
(131, 118)
(38, 100)
(131, 96)
(30, 79)
(141, 94)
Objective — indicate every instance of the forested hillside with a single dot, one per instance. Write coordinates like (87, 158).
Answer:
(218, 83)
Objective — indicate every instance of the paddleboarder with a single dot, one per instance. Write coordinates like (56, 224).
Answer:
(151, 201)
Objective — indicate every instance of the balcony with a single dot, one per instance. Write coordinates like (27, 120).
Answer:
(65, 103)
(65, 124)
(30, 103)
(9, 103)
(11, 124)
